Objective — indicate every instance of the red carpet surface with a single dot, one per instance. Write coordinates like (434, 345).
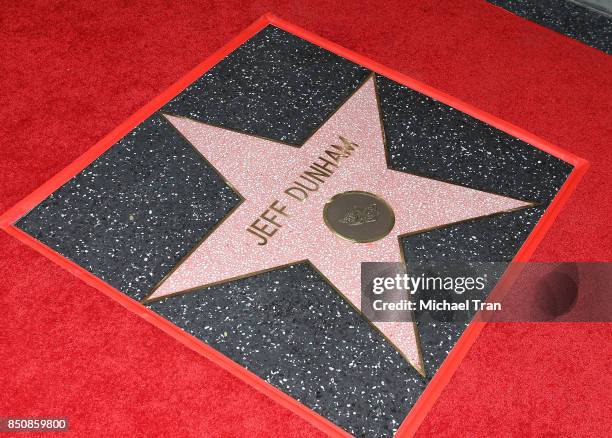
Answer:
(71, 72)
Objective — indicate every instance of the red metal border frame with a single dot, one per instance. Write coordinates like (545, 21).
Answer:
(418, 412)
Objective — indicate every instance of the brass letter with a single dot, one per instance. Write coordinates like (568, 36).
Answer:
(280, 209)
(263, 240)
(303, 193)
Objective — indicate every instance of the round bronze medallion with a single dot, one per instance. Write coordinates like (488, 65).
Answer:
(359, 216)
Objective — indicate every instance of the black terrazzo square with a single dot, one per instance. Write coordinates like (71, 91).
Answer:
(132, 214)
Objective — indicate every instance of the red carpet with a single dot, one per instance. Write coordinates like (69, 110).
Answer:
(71, 73)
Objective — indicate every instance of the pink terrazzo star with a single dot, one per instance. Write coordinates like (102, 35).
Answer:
(262, 170)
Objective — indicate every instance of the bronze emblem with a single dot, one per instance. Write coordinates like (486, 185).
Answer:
(359, 216)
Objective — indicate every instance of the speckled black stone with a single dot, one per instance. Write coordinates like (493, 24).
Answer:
(434, 140)
(136, 210)
(133, 213)
(588, 25)
(275, 85)
(439, 331)
(291, 328)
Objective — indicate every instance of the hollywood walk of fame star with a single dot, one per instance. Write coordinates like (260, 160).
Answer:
(279, 220)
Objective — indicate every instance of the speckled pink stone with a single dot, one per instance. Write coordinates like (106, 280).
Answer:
(261, 170)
